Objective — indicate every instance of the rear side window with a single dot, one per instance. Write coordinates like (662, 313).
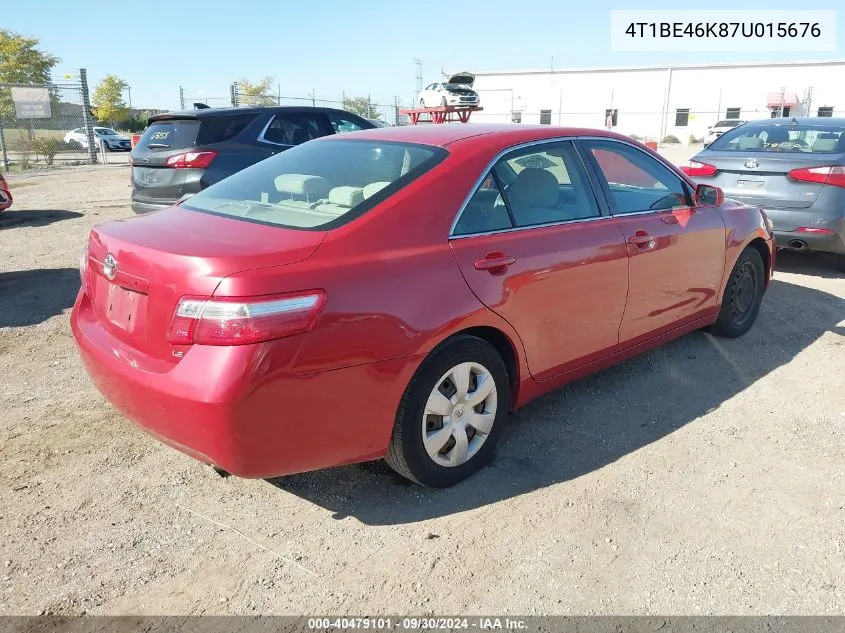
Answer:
(170, 134)
(291, 129)
(223, 128)
(800, 138)
(317, 185)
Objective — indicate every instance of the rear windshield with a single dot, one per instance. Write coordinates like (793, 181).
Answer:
(727, 123)
(793, 138)
(170, 134)
(319, 184)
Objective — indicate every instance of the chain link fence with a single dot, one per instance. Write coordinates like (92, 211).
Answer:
(42, 125)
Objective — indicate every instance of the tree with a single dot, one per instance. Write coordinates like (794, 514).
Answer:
(22, 62)
(108, 102)
(258, 93)
(362, 106)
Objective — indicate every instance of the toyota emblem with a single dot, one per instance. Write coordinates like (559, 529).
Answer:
(110, 266)
(751, 164)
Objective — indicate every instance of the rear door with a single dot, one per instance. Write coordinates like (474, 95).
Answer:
(534, 247)
(677, 250)
(293, 127)
(752, 163)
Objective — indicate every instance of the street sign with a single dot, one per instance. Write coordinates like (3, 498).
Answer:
(31, 103)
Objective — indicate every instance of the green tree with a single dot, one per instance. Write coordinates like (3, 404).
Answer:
(259, 93)
(362, 106)
(22, 62)
(107, 102)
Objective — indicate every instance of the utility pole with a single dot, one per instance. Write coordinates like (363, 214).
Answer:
(181, 98)
(86, 116)
(418, 62)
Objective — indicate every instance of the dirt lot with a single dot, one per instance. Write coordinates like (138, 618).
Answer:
(703, 478)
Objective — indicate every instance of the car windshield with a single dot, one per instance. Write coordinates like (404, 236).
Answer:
(780, 137)
(454, 86)
(319, 184)
(104, 131)
(727, 123)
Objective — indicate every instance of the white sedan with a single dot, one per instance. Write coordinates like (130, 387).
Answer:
(112, 140)
(455, 92)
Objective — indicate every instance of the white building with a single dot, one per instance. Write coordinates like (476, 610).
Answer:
(652, 102)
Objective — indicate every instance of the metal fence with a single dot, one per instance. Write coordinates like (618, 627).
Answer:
(387, 112)
(42, 125)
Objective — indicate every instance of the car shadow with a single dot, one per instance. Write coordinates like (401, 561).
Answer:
(29, 297)
(813, 263)
(594, 422)
(34, 218)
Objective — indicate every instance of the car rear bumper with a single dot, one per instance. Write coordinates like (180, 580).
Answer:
(147, 207)
(819, 233)
(241, 408)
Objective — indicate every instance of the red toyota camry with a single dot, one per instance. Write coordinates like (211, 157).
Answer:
(5, 194)
(395, 293)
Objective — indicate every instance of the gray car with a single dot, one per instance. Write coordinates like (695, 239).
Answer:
(794, 168)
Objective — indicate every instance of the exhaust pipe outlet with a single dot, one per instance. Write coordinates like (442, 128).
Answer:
(798, 245)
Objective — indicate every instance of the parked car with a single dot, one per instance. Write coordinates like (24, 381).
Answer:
(182, 153)
(5, 194)
(379, 123)
(398, 293)
(455, 92)
(112, 140)
(792, 167)
(719, 128)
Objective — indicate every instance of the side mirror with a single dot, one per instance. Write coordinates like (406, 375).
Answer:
(708, 195)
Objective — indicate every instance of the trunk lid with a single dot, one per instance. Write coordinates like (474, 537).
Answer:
(138, 268)
(761, 179)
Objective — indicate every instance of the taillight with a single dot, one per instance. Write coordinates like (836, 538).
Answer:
(243, 321)
(191, 160)
(695, 169)
(829, 175)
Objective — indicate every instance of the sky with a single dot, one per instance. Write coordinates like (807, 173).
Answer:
(334, 47)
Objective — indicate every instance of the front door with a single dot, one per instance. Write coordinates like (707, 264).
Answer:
(534, 247)
(677, 250)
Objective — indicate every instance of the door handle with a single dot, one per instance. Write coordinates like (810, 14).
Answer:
(642, 240)
(494, 261)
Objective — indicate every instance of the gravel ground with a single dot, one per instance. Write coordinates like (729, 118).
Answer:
(702, 478)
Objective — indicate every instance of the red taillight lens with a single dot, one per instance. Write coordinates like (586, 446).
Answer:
(828, 175)
(694, 169)
(244, 321)
(191, 160)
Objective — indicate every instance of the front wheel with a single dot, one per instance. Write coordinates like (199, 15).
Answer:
(422, 103)
(743, 296)
(443, 101)
(451, 414)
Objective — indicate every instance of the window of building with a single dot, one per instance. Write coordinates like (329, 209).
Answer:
(516, 117)
(612, 115)
(733, 113)
(826, 111)
(545, 117)
(776, 112)
(682, 117)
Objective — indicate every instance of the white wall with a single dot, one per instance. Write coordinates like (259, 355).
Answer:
(579, 98)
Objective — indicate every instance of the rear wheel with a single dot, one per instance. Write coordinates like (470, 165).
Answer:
(451, 414)
(743, 296)
(840, 262)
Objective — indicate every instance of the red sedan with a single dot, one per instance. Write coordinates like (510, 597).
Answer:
(395, 293)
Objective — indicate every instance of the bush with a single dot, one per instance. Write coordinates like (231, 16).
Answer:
(22, 145)
(46, 148)
(695, 141)
(671, 139)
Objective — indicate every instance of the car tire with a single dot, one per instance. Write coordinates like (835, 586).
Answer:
(443, 101)
(840, 263)
(743, 296)
(422, 103)
(432, 408)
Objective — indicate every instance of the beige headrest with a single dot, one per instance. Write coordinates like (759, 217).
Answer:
(346, 196)
(825, 145)
(302, 185)
(374, 188)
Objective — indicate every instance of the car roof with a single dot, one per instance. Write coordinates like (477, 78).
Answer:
(204, 112)
(441, 135)
(805, 120)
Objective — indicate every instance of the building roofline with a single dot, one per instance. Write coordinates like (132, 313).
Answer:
(606, 69)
